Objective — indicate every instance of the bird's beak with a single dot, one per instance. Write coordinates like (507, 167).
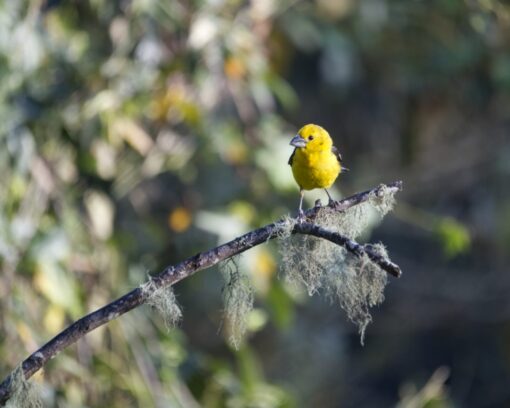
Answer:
(298, 141)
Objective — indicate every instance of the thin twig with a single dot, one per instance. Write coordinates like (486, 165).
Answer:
(188, 267)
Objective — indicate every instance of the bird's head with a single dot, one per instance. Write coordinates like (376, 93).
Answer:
(312, 137)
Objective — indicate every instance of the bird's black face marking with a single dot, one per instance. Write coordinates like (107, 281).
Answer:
(310, 137)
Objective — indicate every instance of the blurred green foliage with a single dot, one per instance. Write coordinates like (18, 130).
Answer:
(454, 236)
(136, 133)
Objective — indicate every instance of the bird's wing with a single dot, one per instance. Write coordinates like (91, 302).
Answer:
(292, 157)
(335, 151)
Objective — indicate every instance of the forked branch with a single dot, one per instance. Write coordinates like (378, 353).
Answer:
(203, 260)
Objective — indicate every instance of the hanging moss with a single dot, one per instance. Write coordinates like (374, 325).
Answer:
(164, 301)
(237, 299)
(355, 283)
(24, 393)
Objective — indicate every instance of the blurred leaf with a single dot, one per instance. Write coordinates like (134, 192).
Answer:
(257, 319)
(256, 393)
(234, 68)
(281, 306)
(284, 93)
(58, 287)
(54, 318)
(106, 100)
(434, 393)
(249, 369)
(179, 220)
(263, 267)
(51, 278)
(454, 237)
(101, 212)
(303, 31)
(501, 70)
(273, 159)
(132, 133)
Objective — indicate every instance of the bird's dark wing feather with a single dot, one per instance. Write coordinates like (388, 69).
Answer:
(335, 151)
(292, 157)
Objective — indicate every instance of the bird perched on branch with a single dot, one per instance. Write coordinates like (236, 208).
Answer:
(315, 162)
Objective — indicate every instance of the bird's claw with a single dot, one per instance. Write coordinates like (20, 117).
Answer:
(301, 216)
(333, 204)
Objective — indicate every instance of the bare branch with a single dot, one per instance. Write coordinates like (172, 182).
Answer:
(188, 267)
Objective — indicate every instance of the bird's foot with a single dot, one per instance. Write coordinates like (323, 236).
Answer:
(301, 216)
(333, 203)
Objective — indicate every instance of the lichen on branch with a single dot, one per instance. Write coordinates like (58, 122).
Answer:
(24, 394)
(164, 301)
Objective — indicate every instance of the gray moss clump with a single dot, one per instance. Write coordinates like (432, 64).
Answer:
(306, 259)
(237, 299)
(354, 220)
(24, 394)
(358, 287)
(164, 301)
(383, 200)
(355, 283)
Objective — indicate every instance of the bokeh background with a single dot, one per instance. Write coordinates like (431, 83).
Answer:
(136, 133)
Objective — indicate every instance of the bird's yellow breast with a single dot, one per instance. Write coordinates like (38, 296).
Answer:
(315, 169)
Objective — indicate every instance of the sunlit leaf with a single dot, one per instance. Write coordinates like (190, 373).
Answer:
(454, 237)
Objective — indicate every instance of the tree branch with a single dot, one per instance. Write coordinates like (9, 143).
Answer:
(188, 267)
(350, 245)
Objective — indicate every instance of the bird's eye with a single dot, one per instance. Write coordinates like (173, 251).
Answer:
(310, 137)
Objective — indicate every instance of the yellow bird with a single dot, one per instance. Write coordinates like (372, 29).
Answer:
(315, 162)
